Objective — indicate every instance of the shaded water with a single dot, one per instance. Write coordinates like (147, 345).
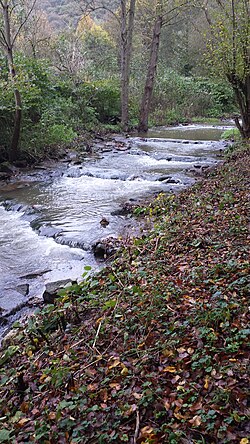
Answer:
(54, 214)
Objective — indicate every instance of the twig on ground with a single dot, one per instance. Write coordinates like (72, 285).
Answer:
(137, 427)
(97, 333)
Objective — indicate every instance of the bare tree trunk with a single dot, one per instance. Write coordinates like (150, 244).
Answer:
(127, 27)
(14, 150)
(242, 93)
(152, 66)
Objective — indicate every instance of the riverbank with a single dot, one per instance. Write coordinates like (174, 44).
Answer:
(51, 215)
(153, 349)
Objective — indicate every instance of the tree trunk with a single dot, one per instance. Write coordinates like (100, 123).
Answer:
(14, 150)
(126, 51)
(152, 66)
(242, 94)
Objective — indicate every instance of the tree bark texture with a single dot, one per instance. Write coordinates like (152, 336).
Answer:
(242, 94)
(127, 27)
(14, 150)
(151, 73)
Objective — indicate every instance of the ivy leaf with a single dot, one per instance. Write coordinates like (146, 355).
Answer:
(4, 435)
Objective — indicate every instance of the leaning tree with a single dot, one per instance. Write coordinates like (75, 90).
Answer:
(229, 47)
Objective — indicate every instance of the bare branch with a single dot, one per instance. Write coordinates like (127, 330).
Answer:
(91, 9)
(23, 22)
(3, 40)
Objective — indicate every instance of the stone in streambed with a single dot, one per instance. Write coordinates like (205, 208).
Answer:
(23, 289)
(52, 288)
(105, 248)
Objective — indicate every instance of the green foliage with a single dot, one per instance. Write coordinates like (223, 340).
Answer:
(178, 98)
(60, 133)
(231, 134)
(106, 101)
(54, 107)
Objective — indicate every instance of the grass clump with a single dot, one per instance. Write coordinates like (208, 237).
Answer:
(232, 134)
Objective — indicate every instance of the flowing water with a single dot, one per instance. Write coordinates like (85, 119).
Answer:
(50, 218)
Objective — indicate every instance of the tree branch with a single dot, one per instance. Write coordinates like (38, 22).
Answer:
(24, 21)
(3, 40)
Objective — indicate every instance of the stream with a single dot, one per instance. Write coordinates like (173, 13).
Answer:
(50, 216)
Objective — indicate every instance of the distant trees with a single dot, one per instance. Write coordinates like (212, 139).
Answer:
(124, 13)
(164, 12)
(54, 84)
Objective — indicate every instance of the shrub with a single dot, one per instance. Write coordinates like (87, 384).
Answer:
(231, 134)
(59, 133)
(187, 97)
(106, 101)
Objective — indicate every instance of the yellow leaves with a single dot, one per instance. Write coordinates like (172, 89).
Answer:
(167, 353)
(190, 351)
(206, 383)
(115, 362)
(181, 350)
(99, 320)
(145, 431)
(124, 371)
(44, 378)
(169, 369)
(244, 441)
(115, 386)
(147, 435)
(179, 416)
(22, 422)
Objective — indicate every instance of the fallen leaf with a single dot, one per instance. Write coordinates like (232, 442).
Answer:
(137, 395)
(22, 422)
(196, 406)
(24, 407)
(169, 370)
(195, 421)
(206, 384)
(167, 353)
(115, 363)
(115, 385)
(92, 387)
(52, 415)
(124, 371)
(146, 431)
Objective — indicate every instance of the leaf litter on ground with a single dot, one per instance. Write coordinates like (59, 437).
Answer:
(155, 347)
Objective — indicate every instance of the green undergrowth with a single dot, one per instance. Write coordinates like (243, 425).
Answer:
(154, 348)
